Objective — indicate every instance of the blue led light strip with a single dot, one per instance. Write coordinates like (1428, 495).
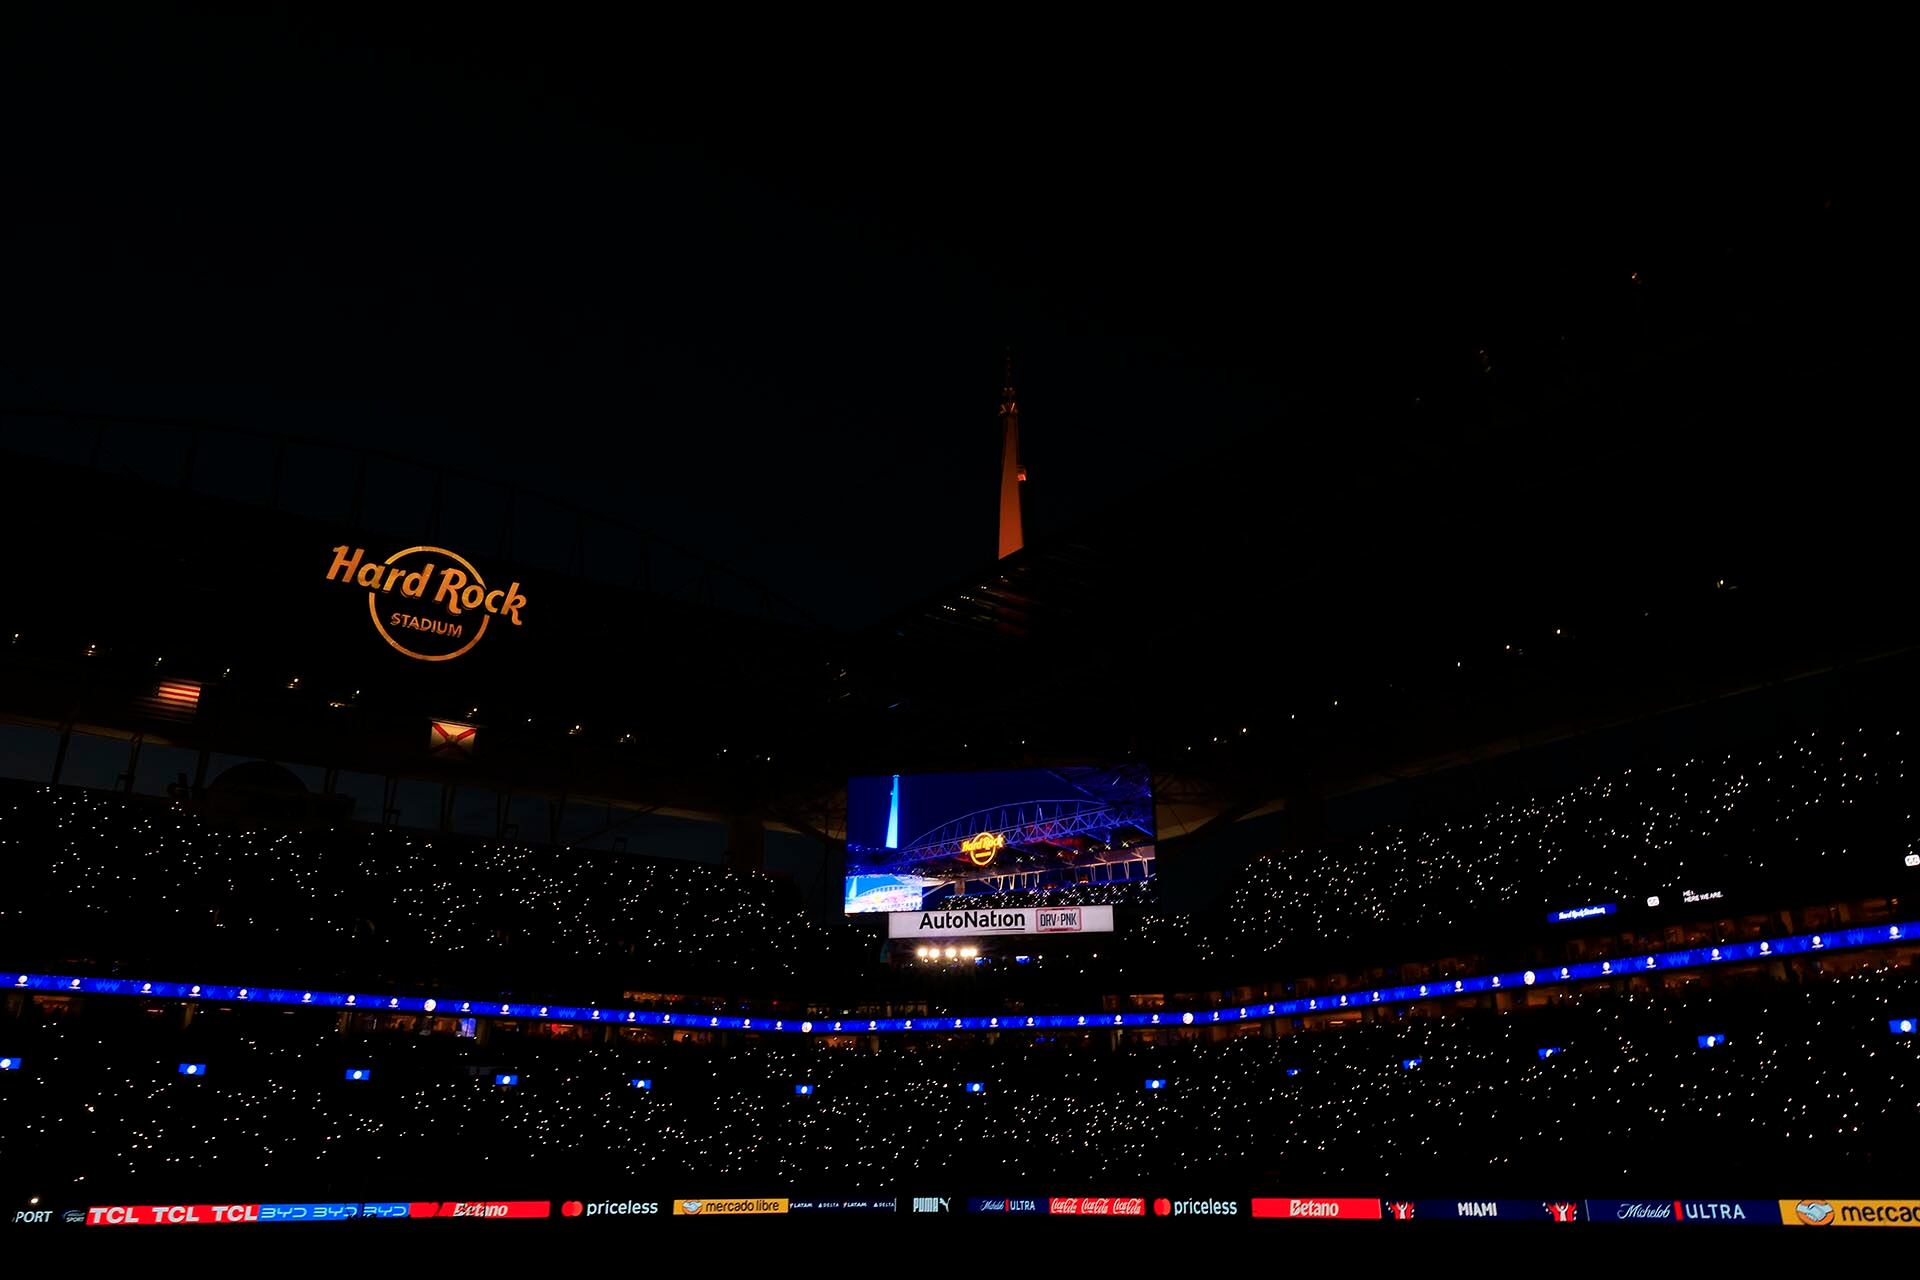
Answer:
(1693, 958)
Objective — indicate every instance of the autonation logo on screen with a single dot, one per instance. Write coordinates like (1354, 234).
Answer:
(1017, 920)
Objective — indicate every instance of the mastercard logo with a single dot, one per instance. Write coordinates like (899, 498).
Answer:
(571, 1209)
(1161, 1208)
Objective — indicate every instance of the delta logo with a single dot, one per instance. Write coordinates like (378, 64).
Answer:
(429, 603)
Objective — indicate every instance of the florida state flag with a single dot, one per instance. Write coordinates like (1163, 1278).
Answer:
(451, 740)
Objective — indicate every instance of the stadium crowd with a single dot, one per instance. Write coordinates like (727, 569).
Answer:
(96, 875)
(1800, 1078)
(1809, 809)
(95, 878)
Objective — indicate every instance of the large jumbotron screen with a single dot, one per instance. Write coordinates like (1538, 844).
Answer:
(914, 840)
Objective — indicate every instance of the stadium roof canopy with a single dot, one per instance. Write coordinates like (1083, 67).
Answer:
(1654, 497)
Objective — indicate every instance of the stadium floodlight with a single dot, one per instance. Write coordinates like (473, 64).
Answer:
(1913, 859)
(193, 1068)
(642, 1083)
(507, 1079)
(9, 1064)
(803, 1090)
(1899, 1026)
(1714, 1041)
(969, 952)
(1156, 1084)
(953, 953)
(1408, 1064)
(359, 1073)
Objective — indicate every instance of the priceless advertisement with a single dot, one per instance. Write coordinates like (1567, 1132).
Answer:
(1165, 1207)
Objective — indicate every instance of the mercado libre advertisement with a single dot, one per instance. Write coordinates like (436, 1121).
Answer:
(915, 841)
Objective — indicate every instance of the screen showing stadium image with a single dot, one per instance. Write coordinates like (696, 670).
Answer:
(914, 840)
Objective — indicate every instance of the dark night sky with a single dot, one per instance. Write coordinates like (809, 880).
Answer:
(760, 302)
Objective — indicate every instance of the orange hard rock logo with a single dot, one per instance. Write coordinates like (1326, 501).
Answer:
(980, 849)
(432, 605)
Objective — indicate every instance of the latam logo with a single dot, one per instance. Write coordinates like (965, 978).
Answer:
(1273, 1207)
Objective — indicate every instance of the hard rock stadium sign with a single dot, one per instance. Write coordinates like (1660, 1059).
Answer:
(426, 602)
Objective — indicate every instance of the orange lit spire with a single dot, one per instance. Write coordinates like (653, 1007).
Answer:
(1012, 471)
